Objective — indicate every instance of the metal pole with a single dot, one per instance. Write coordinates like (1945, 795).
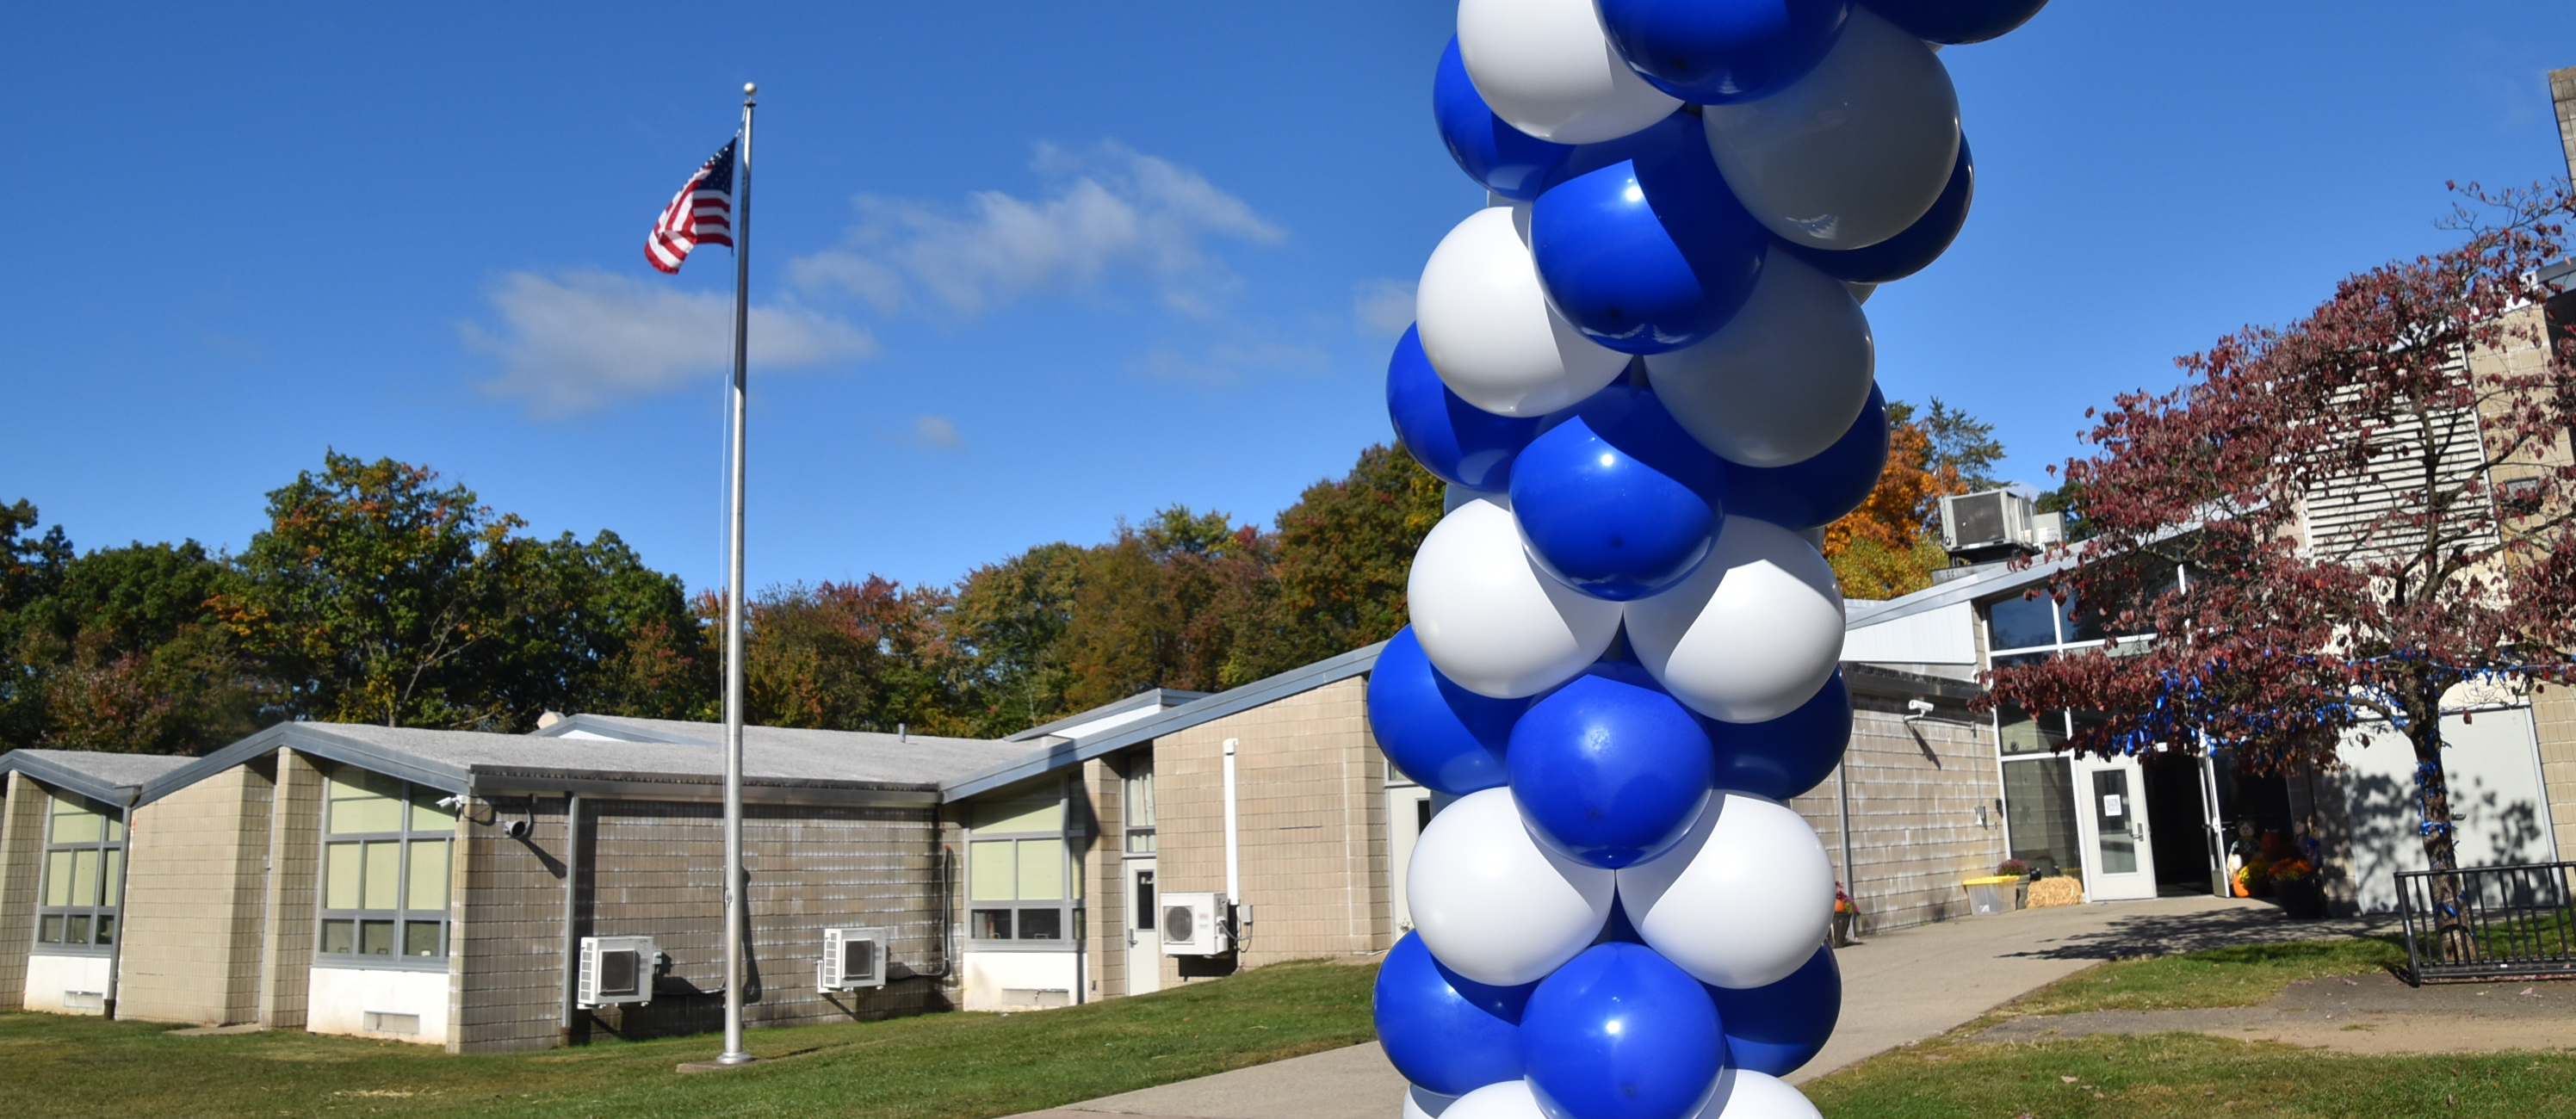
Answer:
(733, 901)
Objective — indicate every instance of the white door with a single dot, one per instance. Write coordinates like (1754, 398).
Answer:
(1144, 943)
(2111, 820)
(1408, 811)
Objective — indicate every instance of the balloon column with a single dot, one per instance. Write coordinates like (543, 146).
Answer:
(1644, 371)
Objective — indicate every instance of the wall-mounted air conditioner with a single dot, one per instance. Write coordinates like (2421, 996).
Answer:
(617, 970)
(852, 958)
(1195, 925)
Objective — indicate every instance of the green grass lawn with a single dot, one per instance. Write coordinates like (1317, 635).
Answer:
(2247, 975)
(2189, 1074)
(938, 1066)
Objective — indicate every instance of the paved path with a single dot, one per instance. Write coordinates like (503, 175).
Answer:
(1897, 987)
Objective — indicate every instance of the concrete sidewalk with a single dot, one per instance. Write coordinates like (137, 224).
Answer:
(1897, 987)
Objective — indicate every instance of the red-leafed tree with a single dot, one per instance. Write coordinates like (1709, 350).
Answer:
(2370, 508)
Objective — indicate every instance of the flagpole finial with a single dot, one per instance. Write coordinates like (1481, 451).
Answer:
(748, 89)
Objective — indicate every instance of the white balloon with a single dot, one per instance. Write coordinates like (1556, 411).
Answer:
(1781, 380)
(1742, 901)
(1547, 68)
(1745, 1094)
(1489, 619)
(1423, 1103)
(1493, 905)
(1752, 634)
(1509, 1099)
(1488, 330)
(1851, 154)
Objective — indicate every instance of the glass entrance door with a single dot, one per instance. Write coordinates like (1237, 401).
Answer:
(2111, 814)
(1144, 942)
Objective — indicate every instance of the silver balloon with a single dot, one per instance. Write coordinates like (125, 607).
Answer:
(1784, 378)
(1854, 152)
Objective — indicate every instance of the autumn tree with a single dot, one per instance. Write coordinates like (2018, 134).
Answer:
(1891, 544)
(2374, 509)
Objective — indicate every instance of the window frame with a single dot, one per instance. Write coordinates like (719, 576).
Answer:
(108, 853)
(1140, 774)
(409, 799)
(1066, 908)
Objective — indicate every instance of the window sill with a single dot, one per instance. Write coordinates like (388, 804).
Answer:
(346, 962)
(80, 951)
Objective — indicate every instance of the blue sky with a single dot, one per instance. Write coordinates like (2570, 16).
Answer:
(1026, 268)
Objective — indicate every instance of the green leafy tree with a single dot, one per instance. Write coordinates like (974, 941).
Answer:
(1009, 620)
(589, 627)
(376, 596)
(131, 657)
(868, 656)
(1344, 552)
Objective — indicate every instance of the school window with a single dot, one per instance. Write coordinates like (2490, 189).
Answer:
(84, 861)
(1138, 808)
(1021, 879)
(386, 851)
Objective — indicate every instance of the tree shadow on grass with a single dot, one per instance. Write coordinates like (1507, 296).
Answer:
(2160, 934)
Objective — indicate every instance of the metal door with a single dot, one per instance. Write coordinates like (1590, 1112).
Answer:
(2111, 820)
(1408, 811)
(1144, 943)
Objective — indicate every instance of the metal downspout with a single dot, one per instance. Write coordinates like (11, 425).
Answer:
(124, 870)
(572, 896)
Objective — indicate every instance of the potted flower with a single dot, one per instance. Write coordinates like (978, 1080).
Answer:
(1844, 911)
(2294, 882)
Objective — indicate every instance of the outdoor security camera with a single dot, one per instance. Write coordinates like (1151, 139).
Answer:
(1920, 707)
(517, 829)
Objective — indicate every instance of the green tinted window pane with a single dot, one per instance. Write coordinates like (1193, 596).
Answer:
(49, 930)
(115, 829)
(1042, 924)
(1041, 869)
(420, 938)
(115, 875)
(76, 929)
(988, 870)
(426, 815)
(428, 876)
(365, 802)
(2021, 623)
(2039, 806)
(375, 938)
(74, 822)
(84, 877)
(340, 871)
(58, 878)
(2023, 733)
(107, 930)
(381, 887)
(1038, 811)
(340, 937)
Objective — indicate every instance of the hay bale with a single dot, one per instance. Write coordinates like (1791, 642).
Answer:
(2060, 890)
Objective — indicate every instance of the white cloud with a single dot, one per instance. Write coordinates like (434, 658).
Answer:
(1110, 212)
(1383, 307)
(586, 339)
(937, 433)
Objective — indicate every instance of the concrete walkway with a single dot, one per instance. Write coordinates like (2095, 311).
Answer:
(1897, 987)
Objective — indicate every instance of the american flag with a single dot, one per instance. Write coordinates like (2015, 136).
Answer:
(701, 213)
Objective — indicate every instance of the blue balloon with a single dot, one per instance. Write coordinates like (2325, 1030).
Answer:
(1621, 1033)
(1911, 251)
(1818, 490)
(1777, 1028)
(1716, 52)
(1648, 251)
(1439, 734)
(1617, 500)
(1443, 1031)
(1510, 162)
(1609, 769)
(1957, 21)
(1783, 757)
(1450, 437)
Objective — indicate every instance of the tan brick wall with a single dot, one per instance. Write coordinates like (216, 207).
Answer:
(1915, 791)
(194, 894)
(294, 847)
(652, 869)
(2553, 716)
(22, 842)
(1105, 883)
(1311, 808)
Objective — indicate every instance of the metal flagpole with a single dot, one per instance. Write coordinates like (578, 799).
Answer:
(733, 901)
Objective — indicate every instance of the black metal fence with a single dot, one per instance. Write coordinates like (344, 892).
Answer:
(2489, 923)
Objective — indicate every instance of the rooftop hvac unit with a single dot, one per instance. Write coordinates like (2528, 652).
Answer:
(852, 958)
(1195, 925)
(1983, 520)
(617, 970)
